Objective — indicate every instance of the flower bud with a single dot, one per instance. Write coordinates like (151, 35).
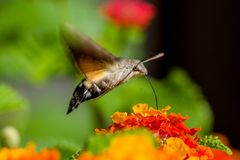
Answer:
(9, 137)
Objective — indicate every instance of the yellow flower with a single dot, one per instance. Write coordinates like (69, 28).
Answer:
(193, 158)
(130, 148)
(145, 110)
(127, 147)
(119, 117)
(177, 147)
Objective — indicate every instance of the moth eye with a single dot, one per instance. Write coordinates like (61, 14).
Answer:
(135, 68)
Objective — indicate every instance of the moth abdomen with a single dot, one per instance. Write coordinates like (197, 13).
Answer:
(79, 95)
(84, 91)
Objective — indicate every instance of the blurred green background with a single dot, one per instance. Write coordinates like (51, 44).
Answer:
(37, 79)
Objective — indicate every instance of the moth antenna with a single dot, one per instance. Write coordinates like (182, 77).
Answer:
(159, 55)
(155, 95)
(150, 59)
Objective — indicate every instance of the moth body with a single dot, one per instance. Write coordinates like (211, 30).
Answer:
(102, 71)
(119, 73)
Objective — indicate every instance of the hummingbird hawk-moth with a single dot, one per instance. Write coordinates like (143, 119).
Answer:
(102, 71)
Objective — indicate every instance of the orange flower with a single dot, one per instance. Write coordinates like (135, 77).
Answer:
(221, 155)
(158, 121)
(176, 147)
(28, 153)
(164, 126)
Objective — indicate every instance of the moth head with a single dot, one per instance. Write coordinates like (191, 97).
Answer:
(140, 69)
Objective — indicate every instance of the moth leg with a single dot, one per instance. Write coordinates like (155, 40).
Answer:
(96, 88)
(104, 83)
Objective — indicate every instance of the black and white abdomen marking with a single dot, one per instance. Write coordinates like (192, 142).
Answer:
(85, 91)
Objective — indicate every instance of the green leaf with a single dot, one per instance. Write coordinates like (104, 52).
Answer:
(10, 100)
(214, 142)
(67, 148)
(98, 142)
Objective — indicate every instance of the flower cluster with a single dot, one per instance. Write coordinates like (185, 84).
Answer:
(159, 122)
(129, 13)
(163, 126)
(29, 153)
(128, 147)
(151, 134)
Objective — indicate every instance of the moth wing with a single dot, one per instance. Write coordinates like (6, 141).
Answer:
(92, 60)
